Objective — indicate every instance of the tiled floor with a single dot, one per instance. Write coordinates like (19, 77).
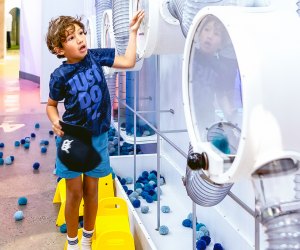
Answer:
(20, 110)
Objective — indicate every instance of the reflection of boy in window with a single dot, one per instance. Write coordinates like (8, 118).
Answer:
(215, 72)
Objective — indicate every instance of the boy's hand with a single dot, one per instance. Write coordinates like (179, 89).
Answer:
(136, 20)
(57, 128)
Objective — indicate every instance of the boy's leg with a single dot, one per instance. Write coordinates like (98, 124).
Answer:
(73, 198)
(90, 196)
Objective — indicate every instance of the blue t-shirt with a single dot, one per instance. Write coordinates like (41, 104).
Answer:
(83, 88)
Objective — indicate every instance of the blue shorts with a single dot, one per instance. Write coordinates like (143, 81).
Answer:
(100, 143)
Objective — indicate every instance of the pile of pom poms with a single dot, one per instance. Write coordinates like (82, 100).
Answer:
(19, 215)
(202, 234)
(145, 188)
(7, 160)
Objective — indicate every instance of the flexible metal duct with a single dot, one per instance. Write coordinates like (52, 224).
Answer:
(120, 10)
(101, 6)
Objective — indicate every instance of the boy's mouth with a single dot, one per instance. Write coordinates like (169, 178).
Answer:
(82, 48)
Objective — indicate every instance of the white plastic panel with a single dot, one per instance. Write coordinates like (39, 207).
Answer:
(91, 36)
(159, 32)
(262, 46)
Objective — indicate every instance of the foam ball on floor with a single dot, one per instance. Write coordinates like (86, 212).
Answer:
(43, 150)
(12, 158)
(136, 203)
(27, 145)
(22, 141)
(51, 132)
(165, 209)
(218, 246)
(37, 125)
(27, 139)
(8, 160)
(163, 230)
(2, 145)
(46, 142)
(32, 135)
(18, 215)
(200, 245)
(207, 239)
(36, 166)
(22, 201)
(144, 209)
(187, 223)
(17, 144)
(1, 162)
(63, 228)
(1, 154)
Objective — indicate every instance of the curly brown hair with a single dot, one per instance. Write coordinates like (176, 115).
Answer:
(58, 30)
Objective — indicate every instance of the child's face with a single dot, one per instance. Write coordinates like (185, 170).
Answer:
(210, 38)
(75, 46)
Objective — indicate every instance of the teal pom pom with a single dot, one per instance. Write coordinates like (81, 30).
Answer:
(63, 228)
(22, 201)
(37, 125)
(199, 225)
(18, 216)
(27, 145)
(165, 209)
(203, 231)
(163, 230)
(1, 162)
(218, 246)
(221, 142)
(144, 209)
(129, 180)
(1, 154)
(17, 144)
(152, 177)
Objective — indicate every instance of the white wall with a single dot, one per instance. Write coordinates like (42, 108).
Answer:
(30, 34)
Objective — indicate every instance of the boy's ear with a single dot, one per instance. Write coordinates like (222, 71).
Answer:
(59, 51)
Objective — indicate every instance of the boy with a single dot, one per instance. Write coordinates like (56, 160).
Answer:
(80, 82)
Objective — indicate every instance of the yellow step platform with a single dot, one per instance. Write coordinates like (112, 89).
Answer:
(105, 189)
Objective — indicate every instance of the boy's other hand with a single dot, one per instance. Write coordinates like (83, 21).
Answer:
(136, 20)
(57, 128)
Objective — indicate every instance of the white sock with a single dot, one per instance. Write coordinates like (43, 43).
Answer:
(73, 243)
(86, 241)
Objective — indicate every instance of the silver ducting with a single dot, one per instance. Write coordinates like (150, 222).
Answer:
(277, 201)
(120, 11)
(101, 6)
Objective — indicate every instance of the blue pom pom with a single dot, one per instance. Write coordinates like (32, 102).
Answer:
(134, 194)
(218, 246)
(129, 180)
(8, 160)
(12, 158)
(145, 174)
(81, 223)
(129, 192)
(138, 185)
(207, 239)
(18, 216)
(136, 203)
(147, 187)
(27, 145)
(200, 245)
(37, 125)
(187, 223)
(22, 141)
(1, 162)
(17, 144)
(2, 145)
(1, 154)
(123, 181)
(32, 135)
(221, 142)
(125, 188)
(22, 201)
(27, 139)
(165, 209)
(144, 209)
(154, 197)
(153, 172)
(36, 165)
(163, 230)
(152, 177)
(51, 132)
(43, 149)
(139, 190)
(63, 228)
(149, 198)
